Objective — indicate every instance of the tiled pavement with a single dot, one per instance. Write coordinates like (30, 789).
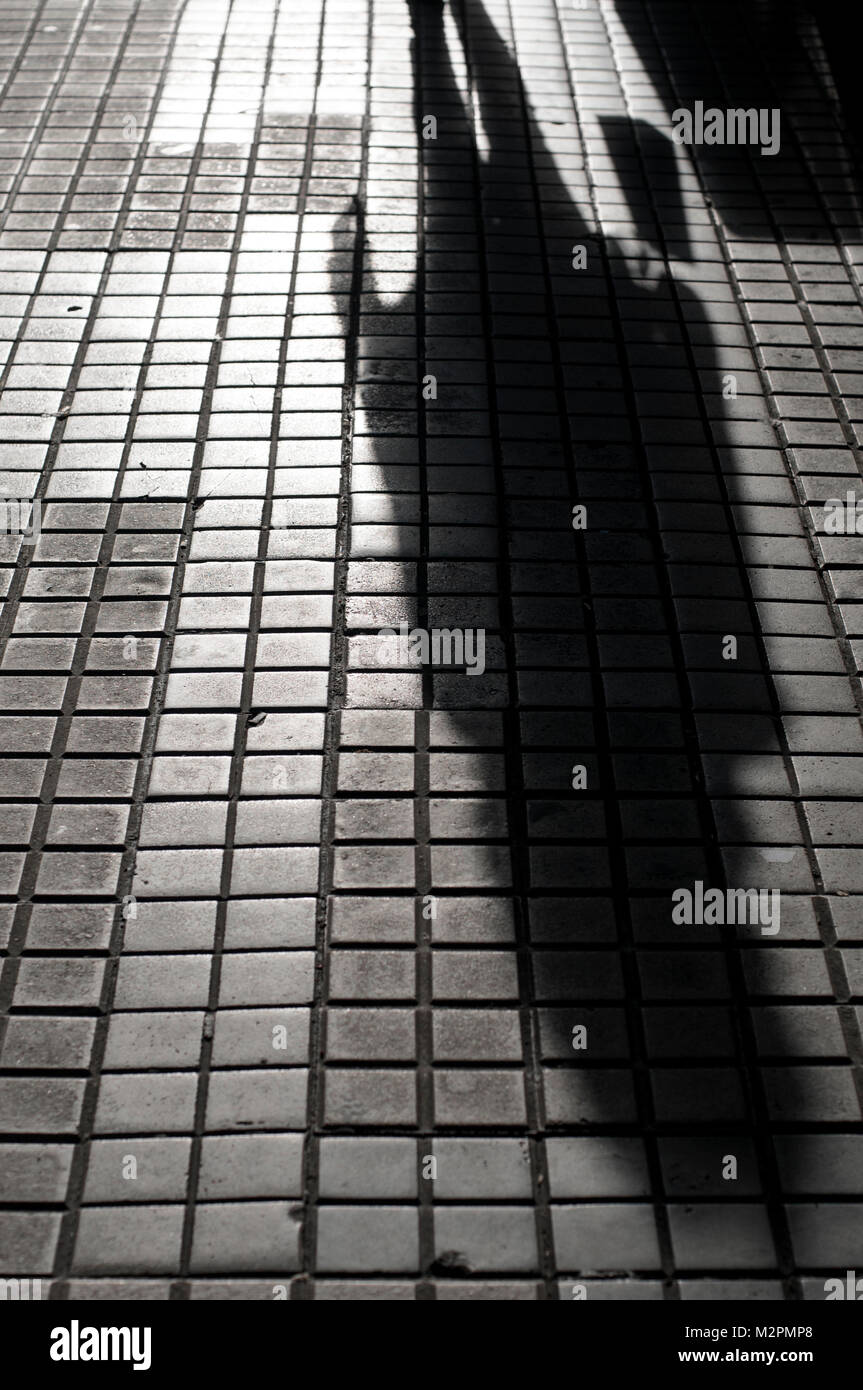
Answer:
(334, 977)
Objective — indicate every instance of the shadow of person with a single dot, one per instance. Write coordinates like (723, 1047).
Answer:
(573, 346)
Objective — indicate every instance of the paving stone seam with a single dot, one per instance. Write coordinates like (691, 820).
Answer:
(302, 1287)
(455, 226)
(629, 952)
(15, 65)
(835, 964)
(421, 818)
(514, 782)
(18, 935)
(245, 702)
(834, 392)
(750, 1062)
(773, 1190)
(78, 1173)
(74, 40)
(850, 1024)
(18, 939)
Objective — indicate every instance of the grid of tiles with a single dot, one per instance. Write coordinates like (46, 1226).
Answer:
(334, 975)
